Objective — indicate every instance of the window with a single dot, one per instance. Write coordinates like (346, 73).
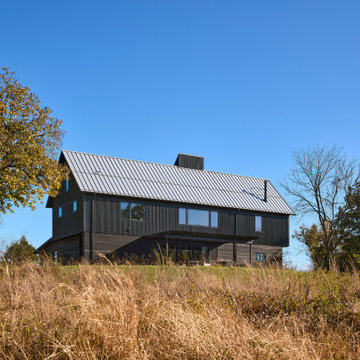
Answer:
(198, 217)
(260, 257)
(74, 206)
(137, 211)
(214, 219)
(55, 255)
(60, 212)
(182, 216)
(132, 211)
(67, 184)
(258, 223)
(125, 211)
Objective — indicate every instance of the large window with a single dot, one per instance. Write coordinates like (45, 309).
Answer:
(198, 217)
(132, 211)
(258, 223)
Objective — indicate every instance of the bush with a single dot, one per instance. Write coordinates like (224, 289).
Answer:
(20, 251)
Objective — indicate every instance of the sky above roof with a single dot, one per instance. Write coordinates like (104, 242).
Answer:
(243, 84)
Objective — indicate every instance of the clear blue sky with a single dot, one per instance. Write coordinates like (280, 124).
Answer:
(243, 83)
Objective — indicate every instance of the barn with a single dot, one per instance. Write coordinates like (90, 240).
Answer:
(125, 208)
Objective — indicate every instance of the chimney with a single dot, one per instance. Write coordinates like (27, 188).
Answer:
(190, 161)
(265, 190)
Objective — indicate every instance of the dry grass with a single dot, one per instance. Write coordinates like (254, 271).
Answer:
(105, 312)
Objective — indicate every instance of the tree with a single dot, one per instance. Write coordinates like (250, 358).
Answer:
(319, 182)
(29, 142)
(20, 251)
(349, 231)
(313, 238)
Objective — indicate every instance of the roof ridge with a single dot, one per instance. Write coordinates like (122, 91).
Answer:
(168, 165)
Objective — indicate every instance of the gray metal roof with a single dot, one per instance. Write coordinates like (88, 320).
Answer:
(115, 176)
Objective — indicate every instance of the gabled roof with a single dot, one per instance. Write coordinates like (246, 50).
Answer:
(115, 176)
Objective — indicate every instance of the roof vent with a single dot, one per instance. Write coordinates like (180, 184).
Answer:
(190, 161)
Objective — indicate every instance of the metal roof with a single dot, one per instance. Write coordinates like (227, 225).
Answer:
(115, 176)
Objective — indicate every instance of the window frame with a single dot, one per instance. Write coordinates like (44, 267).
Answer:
(207, 216)
(261, 255)
(185, 210)
(217, 219)
(257, 224)
(129, 205)
(210, 214)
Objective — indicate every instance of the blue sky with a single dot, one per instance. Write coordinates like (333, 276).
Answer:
(242, 83)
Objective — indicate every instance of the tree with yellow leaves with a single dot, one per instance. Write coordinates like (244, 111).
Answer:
(30, 139)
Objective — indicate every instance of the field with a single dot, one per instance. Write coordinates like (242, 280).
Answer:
(169, 312)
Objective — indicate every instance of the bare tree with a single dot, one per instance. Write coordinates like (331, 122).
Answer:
(318, 183)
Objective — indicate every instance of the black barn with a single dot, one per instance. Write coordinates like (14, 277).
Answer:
(127, 207)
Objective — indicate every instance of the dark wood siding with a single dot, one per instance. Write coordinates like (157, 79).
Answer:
(243, 253)
(190, 161)
(162, 217)
(275, 228)
(67, 249)
(72, 223)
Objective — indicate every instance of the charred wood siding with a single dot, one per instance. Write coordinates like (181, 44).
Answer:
(242, 253)
(275, 228)
(67, 249)
(162, 217)
(68, 224)
(190, 161)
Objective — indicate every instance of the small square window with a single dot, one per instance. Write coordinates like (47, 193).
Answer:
(260, 257)
(258, 223)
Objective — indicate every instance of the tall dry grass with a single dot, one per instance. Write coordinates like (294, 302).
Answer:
(105, 312)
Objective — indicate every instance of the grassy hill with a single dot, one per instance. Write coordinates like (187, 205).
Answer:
(169, 312)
